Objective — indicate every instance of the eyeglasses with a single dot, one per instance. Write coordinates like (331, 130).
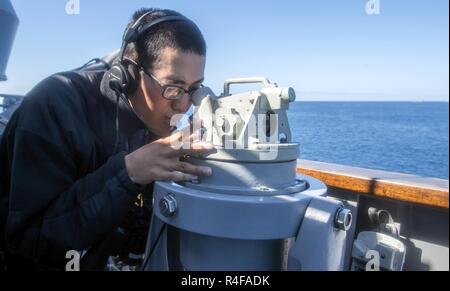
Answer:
(172, 92)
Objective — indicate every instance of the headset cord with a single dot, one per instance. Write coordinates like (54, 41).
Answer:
(153, 247)
(117, 135)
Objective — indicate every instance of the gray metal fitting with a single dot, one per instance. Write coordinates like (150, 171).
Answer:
(343, 220)
(168, 205)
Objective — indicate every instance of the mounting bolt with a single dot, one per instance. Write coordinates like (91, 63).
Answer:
(168, 205)
(343, 220)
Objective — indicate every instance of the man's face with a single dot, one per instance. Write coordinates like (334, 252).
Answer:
(174, 67)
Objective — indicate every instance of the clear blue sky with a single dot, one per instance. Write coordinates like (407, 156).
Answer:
(325, 49)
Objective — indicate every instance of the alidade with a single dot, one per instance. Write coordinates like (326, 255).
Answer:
(255, 213)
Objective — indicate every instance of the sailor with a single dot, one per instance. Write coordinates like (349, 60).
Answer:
(80, 155)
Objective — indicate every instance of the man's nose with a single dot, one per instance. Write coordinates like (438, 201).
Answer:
(183, 104)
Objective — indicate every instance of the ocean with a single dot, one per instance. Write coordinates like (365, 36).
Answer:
(405, 137)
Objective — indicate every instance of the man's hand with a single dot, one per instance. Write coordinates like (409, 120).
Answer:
(160, 160)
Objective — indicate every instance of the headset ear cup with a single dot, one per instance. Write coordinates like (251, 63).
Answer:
(133, 77)
(118, 78)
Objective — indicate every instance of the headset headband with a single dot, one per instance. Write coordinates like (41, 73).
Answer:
(133, 33)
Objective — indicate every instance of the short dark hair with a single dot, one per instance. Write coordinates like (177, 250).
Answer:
(185, 36)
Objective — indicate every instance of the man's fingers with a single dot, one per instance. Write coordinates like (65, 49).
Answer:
(189, 137)
(193, 170)
(197, 149)
(174, 138)
(181, 139)
(180, 177)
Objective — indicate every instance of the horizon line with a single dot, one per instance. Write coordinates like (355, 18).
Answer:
(374, 101)
(370, 97)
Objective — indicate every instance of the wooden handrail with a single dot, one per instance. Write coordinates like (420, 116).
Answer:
(401, 187)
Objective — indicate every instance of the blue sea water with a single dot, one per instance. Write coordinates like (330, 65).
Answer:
(406, 137)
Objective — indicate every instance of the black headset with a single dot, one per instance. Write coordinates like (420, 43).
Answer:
(123, 75)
